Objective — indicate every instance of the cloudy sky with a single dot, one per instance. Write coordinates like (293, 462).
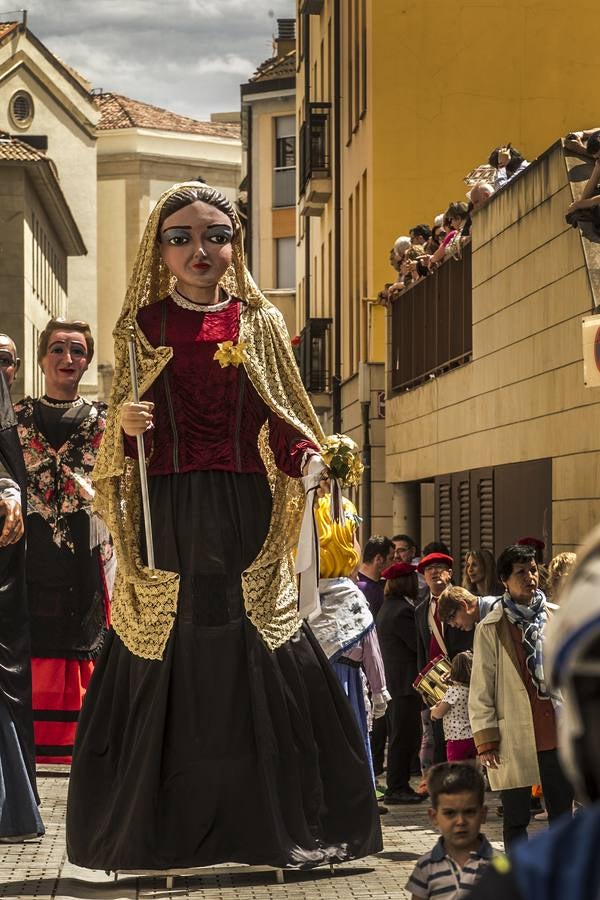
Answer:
(189, 56)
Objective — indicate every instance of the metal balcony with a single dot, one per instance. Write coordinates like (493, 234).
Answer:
(432, 330)
(315, 171)
(314, 361)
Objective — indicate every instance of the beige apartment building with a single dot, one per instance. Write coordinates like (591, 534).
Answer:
(110, 158)
(269, 173)
(39, 237)
(143, 150)
(48, 105)
(491, 434)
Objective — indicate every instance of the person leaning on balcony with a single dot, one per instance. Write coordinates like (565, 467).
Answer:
(458, 215)
(508, 162)
(410, 269)
(479, 194)
(511, 708)
(590, 197)
(438, 233)
(419, 235)
(401, 245)
(577, 141)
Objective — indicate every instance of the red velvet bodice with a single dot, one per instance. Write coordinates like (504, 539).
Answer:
(207, 417)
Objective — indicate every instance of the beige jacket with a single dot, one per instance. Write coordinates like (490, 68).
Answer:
(499, 707)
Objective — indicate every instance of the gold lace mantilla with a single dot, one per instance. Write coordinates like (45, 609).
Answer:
(144, 602)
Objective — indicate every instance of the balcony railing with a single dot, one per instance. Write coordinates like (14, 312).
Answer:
(432, 325)
(314, 144)
(313, 356)
(284, 187)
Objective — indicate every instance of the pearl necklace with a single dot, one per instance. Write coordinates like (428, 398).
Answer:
(57, 404)
(182, 301)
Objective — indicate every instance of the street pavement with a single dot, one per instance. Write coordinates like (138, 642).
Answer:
(39, 869)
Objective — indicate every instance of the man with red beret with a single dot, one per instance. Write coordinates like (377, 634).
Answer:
(433, 638)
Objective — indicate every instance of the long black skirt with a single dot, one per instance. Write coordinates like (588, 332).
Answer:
(223, 751)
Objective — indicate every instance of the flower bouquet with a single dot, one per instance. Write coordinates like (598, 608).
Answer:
(341, 455)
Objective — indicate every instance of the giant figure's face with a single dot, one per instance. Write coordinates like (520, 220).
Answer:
(196, 246)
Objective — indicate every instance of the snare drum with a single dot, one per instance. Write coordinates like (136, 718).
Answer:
(432, 682)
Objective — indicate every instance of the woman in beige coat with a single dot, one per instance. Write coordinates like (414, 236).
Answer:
(510, 707)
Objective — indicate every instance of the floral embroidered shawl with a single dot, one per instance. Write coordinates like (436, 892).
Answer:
(59, 481)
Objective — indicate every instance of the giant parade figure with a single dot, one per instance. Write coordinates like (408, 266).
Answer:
(214, 729)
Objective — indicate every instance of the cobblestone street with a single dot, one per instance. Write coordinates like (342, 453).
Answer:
(40, 869)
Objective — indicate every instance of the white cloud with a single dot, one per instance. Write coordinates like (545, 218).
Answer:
(230, 63)
(189, 56)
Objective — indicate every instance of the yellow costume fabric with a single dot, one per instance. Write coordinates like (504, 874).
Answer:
(144, 601)
(338, 556)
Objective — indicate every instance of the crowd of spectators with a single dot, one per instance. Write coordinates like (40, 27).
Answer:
(418, 254)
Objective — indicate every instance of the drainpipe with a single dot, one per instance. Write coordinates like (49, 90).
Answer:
(250, 197)
(364, 397)
(336, 386)
(307, 260)
(366, 486)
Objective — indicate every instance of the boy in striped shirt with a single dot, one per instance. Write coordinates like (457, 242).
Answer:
(459, 857)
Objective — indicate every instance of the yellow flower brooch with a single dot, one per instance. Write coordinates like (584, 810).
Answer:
(230, 354)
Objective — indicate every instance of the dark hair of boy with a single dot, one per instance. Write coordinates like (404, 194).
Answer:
(516, 553)
(454, 778)
(460, 670)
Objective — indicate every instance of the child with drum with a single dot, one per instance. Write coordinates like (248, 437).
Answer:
(454, 710)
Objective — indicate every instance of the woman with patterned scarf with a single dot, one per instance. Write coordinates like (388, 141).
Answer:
(214, 729)
(511, 707)
(60, 434)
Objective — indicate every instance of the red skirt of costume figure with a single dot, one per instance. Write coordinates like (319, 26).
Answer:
(59, 686)
(68, 602)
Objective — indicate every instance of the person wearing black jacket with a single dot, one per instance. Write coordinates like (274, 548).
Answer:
(19, 815)
(433, 637)
(398, 641)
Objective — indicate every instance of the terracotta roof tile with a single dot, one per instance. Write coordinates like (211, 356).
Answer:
(6, 28)
(12, 148)
(123, 112)
(276, 67)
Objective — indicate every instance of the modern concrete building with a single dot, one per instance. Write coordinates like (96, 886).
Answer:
(38, 237)
(142, 150)
(48, 105)
(269, 173)
(491, 434)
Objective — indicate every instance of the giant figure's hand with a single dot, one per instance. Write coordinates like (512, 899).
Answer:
(311, 467)
(137, 418)
(13, 522)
